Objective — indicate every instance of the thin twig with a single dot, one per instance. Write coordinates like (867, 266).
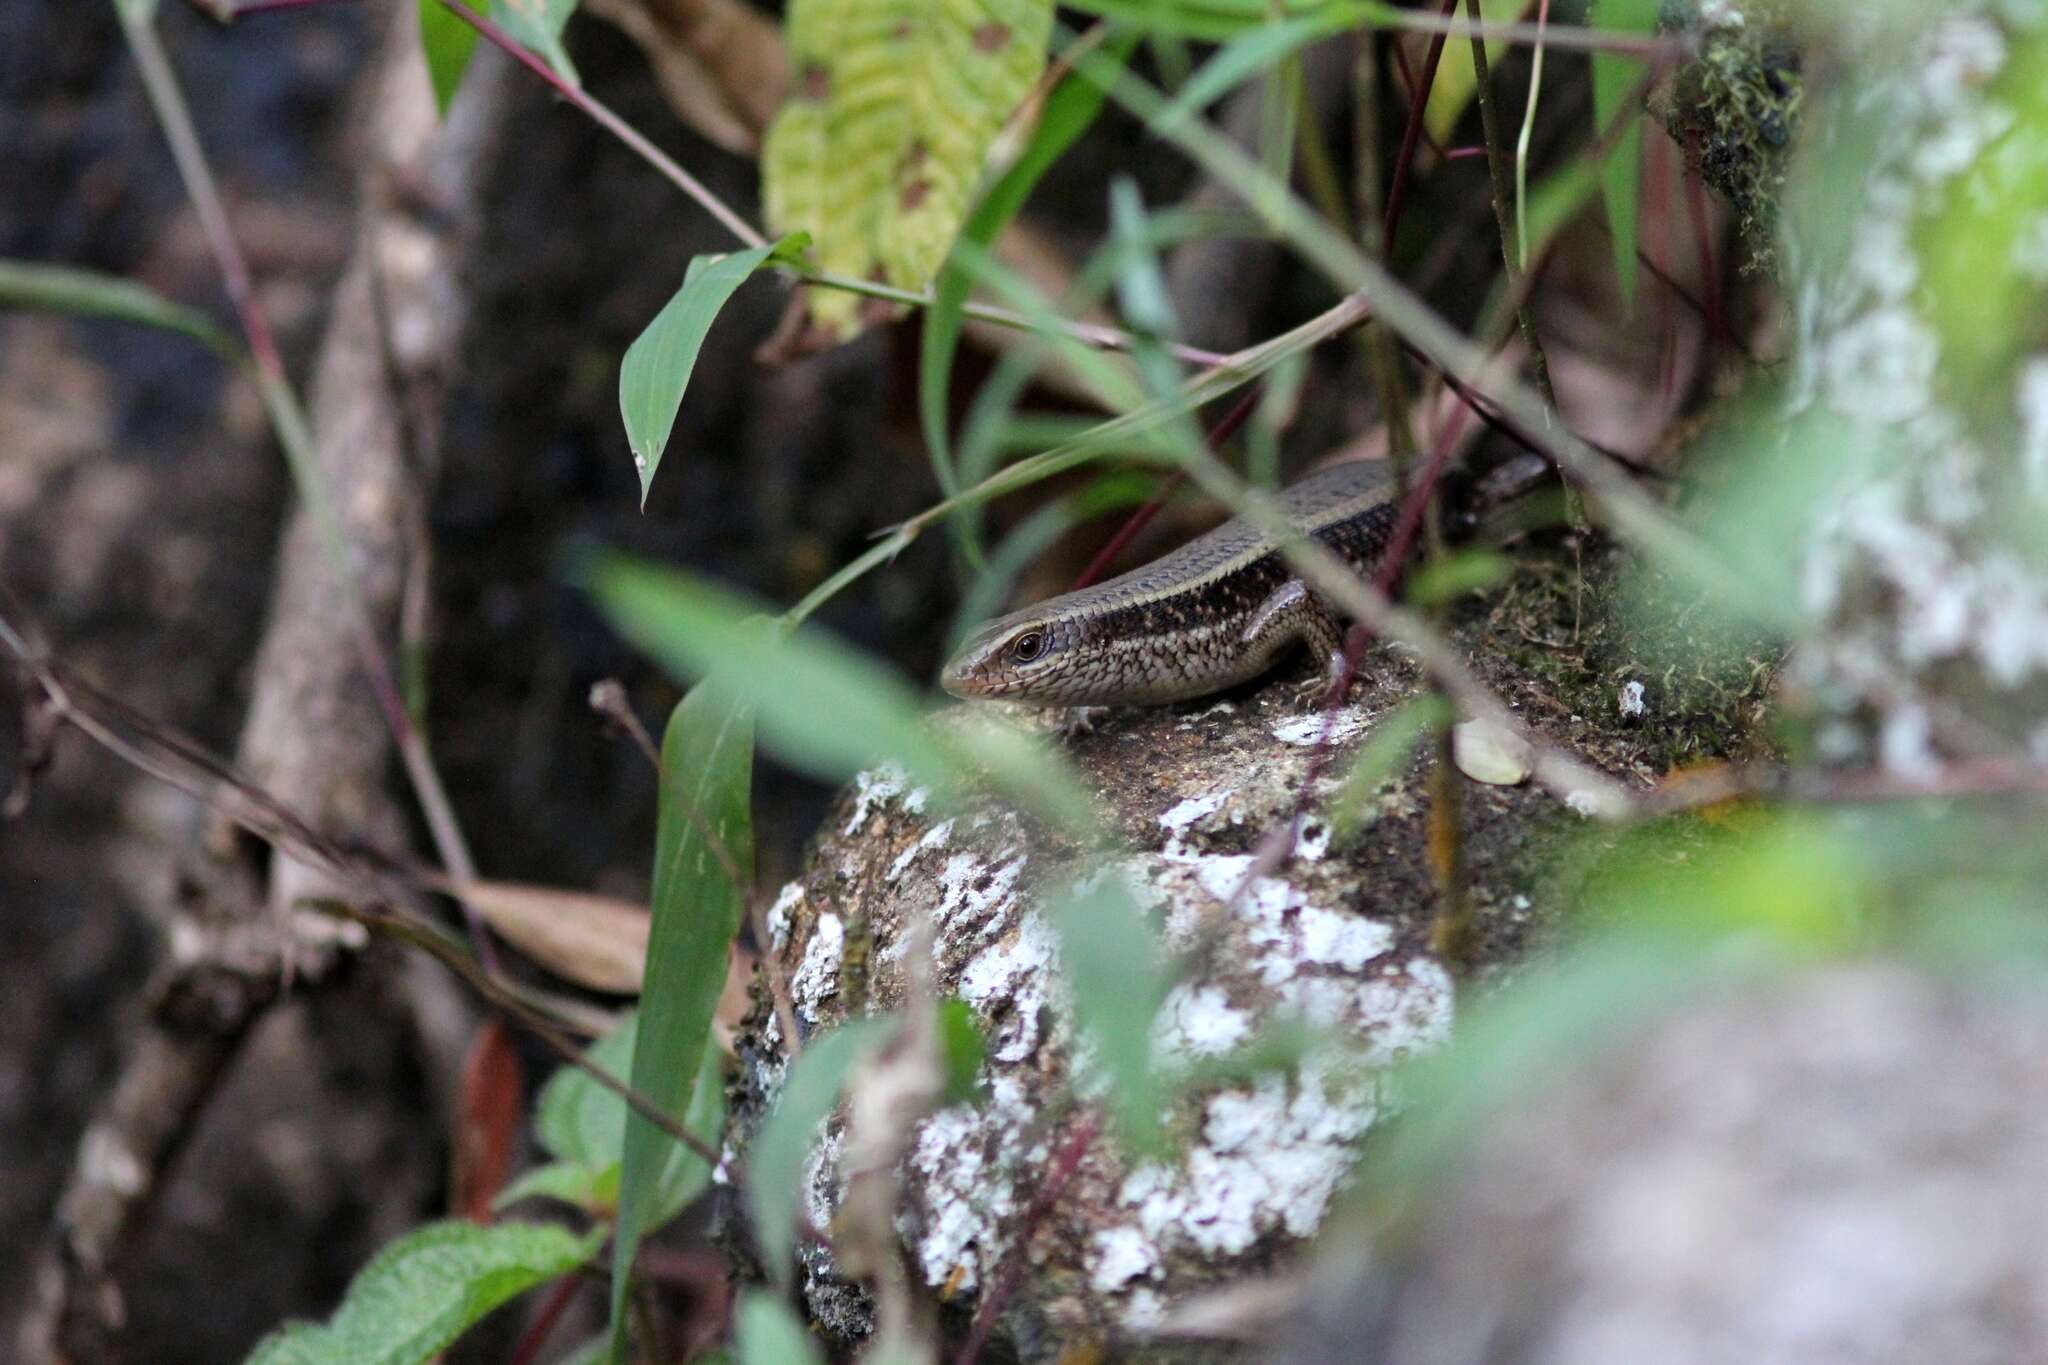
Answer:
(179, 762)
(293, 432)
(1404, 162)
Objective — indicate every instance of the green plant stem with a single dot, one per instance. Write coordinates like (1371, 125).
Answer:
(1503, 215)
(288, 421)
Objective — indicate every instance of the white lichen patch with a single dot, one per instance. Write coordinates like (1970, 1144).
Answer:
(970, 1163)
(935, 837)
(878, 787)
(780, 913)
(817, 977)
(1010, 983)
(1199, 1021)
(1342, 727)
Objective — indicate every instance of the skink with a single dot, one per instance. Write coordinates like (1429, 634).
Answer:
(1215, 613)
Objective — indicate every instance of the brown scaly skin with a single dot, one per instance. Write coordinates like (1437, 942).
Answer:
(1215, 613)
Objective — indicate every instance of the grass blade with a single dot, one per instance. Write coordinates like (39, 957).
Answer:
(1617, 78)
(704, 850)
(88, 293)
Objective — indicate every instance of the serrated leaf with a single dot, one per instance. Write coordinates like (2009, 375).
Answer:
(1069, 110)
(538, 24)
(447, 43)
(703, 869)
(584, 1124)
(565, 1182)
(893, 107)
(776, 1157)
(1117, 972)
(1616, 80)
(427, 1288)
(88, 293)
(769, 1333)
(825, 709)
(657, 366)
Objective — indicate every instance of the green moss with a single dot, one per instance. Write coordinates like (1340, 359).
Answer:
(1735, 110)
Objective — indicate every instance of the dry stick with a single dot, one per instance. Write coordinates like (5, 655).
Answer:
(213, 783)
(1092, 334)
(542, 1324)
(288, 419)
(1140, 519)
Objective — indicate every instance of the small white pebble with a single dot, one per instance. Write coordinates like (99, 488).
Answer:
(1631, 702)
(1490, 753)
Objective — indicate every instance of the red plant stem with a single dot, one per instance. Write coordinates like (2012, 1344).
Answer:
(1010, 1272)
(1404, 164)
(1142, 518)
(560, 1295)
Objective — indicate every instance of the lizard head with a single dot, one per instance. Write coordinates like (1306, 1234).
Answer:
(1025, 656)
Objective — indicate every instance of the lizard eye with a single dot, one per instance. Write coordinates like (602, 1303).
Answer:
(1027, 646)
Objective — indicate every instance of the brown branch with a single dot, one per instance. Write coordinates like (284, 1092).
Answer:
(315, 734)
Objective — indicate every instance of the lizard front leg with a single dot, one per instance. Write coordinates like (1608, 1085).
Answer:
(1294, 612)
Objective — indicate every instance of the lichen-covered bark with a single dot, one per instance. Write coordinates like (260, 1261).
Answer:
(1917, 255)
(1337, 937)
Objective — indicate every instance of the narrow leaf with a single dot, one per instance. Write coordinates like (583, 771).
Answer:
(538, 24)
(1393, 739)
(658, 363)
(1616, 80)
(1242, 58)
(447, 43)
(962, 1047)
(703, 837)
(1457, 79)
(1117, 972)
(424, 1290)
(771, 1334)
(87, 293)
(825, 709)
(775, 1159)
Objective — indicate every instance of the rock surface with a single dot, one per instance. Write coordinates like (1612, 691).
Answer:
(1337, 937)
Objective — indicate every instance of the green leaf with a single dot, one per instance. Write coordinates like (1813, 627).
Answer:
(775, 1159)
(657, 366)
(1457, 80)
(825, 709)
(1221, 20)
(893, 107)
(1117, 972)
(88, 293)
(427, 1288)
(1616, 80)
(1393, 739)
(770, 1334)
(136, 11)
(703, 867)
(447, 42)
(584, 1124)
(962, 1048)
(1242, 58)
(566, 1182)
(1068, 112)
(1456, 574)
(538, 24)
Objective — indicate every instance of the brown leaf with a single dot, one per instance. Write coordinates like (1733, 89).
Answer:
(719, 62)
(594, 941)
(493, 1102)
